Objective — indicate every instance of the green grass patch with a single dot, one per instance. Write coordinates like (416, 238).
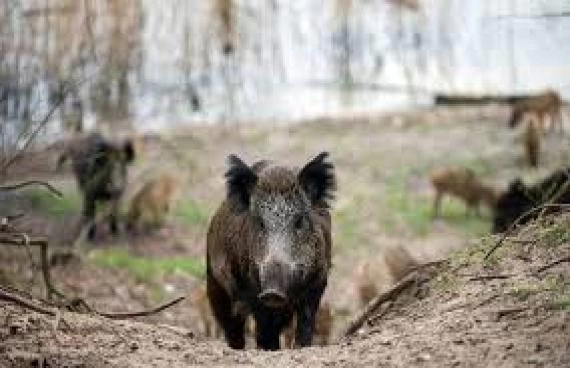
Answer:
(190, 212)
(346, 228)
(556, 234)
(44, 201)
(146, 269)
(561, 304)
(521, 292)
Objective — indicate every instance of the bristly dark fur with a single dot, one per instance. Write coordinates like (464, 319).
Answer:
(520, 198)
(240, 180)
(318, 179)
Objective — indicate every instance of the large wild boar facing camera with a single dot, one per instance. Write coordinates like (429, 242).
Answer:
(269, 249)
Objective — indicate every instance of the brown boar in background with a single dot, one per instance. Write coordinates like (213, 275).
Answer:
(462, 183)
(151, 204)
(546, 104)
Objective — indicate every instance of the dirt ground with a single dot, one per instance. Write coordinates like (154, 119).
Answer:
(384, 200)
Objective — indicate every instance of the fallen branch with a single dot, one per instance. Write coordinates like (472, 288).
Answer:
(505, 312)
(24, 240)
(74, 305)
(517, 222)
(552, 264)
(13, 298)
(31, 182)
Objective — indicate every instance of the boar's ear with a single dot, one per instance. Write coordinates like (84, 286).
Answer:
(129, 150)
(517, 186)
(318, 180)
(240, 180)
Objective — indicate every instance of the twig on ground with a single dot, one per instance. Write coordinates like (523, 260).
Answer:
(13, 298)
(507, 311)
(489, 277)
(370, 321)
(552, 264)
(148, 312)
(32, 182)
(517, 221)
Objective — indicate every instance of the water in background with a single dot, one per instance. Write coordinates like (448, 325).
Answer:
(148, 64)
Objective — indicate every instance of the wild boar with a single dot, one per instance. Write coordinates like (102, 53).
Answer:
(100, 168)
(462, 183)
(269, 249)
(547, 103)
(519, 199)
(151, 204)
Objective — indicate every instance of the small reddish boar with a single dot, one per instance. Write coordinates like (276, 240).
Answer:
(269, 250)
(397, 263)
(462, 183)
(547, 103)
(151, 203)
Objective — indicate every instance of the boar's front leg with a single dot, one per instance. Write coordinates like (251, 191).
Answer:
(233, 325)
(306, 312)
(268, 326)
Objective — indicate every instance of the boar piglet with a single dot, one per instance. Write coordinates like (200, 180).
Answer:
(269, 249)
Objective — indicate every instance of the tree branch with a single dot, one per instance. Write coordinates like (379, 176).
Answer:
(31, 182)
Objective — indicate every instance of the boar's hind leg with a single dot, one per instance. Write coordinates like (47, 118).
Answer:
(89, 216)
(306, 313)
(233, 326)
(268, 327)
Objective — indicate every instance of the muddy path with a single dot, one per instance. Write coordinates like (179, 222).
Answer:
(384, 200)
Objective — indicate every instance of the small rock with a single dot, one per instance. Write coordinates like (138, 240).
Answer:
(134, 346)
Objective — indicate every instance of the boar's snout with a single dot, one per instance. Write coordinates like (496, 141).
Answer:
(272, 298)
(276, 279)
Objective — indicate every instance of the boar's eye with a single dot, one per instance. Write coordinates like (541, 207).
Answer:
(259, 222)
(300, 222)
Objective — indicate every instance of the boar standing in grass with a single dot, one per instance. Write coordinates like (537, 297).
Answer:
(542, 105)
(100, 168)
(151, 204)
(519, 199)
(462, 183)
(269, 250)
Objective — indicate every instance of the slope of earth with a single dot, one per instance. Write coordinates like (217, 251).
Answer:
(511, 309)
